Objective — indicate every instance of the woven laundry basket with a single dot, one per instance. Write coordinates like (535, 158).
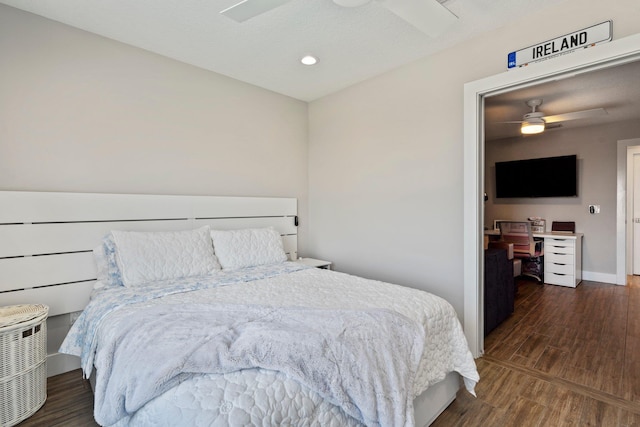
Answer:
(23, 356)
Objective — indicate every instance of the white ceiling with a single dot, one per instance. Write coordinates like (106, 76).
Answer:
(353, 44)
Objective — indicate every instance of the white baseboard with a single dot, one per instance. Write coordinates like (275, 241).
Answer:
(59, 363)
(599, 277)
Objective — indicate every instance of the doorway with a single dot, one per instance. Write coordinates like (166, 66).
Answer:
(633, 200)
(615, 53)
(628, 238)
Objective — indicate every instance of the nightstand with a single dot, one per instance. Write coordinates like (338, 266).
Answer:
(312, 262)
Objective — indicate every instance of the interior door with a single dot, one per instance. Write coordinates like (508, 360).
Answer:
(636, 214)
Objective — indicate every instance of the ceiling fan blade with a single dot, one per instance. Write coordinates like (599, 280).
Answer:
(428, 16)
(586, 114)
(247, 9)
(552, 126)
(513, 121)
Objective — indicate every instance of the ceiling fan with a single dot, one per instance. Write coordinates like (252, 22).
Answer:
(536, 121)
(429, 16)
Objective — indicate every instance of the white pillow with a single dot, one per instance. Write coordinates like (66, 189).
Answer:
(108, 272)
(247, 248)
(145, 257)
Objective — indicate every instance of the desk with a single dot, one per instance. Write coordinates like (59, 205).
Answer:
(562, 256)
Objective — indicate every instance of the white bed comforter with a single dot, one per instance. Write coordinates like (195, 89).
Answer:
(267, 397)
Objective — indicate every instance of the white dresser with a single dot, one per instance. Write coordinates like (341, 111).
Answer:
(562, 258)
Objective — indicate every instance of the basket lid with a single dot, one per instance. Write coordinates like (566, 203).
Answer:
(15, 314)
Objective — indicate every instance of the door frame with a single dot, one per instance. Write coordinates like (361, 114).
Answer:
(627, 148)
(617, 52)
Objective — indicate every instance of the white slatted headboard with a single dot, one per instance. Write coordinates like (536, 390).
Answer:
(46, 239)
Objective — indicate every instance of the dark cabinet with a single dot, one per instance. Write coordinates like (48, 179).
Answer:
(499, 289)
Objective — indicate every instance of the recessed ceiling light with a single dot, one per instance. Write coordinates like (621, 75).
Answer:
(309, 60)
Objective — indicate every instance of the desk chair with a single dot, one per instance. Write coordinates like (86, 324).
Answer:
(525, 247)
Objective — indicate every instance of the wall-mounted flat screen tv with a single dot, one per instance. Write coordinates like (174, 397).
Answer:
(545, 177)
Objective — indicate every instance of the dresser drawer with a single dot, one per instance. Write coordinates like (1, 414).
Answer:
(560, 241)
(559, 279)
(558, 258)
(551, 267)
(561, 246)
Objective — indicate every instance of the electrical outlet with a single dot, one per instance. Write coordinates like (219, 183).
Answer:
(74, 316)
(594, 209)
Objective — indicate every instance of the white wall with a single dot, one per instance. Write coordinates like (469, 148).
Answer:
(596, 148)
(386, 156)
(82, 113)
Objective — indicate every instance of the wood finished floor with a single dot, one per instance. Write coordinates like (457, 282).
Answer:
(69, 403)
(566, 357)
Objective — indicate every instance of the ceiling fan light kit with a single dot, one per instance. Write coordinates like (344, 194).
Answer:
(532, 126)
(532, 122)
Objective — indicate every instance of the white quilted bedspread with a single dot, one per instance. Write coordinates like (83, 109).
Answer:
(261, 397)
(252, 397)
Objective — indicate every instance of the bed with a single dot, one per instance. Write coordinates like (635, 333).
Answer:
(307, 346)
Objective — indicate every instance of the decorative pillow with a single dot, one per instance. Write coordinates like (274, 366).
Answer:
(145, 257)
(247, 248)
(105, 257)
